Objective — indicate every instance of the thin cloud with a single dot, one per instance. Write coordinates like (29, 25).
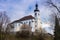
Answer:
(19, 8)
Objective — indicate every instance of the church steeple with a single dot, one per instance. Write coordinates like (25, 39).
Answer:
(36, 8)
(37, 18)
(36, 11)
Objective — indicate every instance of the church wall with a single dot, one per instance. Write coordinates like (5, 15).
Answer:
(18, 25)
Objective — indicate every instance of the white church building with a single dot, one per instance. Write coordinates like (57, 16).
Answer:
(33, 22)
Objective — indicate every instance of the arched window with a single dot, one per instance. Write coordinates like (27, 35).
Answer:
(35, 14)
(35, 25)
(29, 23)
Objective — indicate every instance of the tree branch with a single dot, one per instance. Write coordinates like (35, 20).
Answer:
(54, 6)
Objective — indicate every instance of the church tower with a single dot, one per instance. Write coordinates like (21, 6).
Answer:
(37, 19)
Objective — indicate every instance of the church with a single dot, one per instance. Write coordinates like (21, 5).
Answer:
(31, 23)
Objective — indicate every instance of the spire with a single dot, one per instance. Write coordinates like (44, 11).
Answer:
(36, 8)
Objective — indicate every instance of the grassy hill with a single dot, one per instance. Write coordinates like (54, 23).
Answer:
(5, 36)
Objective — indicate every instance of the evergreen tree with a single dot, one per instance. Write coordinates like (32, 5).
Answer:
(57, 29)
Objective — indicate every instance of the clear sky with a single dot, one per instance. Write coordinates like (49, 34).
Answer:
(16, 9)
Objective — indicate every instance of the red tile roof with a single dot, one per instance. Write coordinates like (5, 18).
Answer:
(26, 18)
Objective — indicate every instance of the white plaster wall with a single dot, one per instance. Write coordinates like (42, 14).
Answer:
(17, 26)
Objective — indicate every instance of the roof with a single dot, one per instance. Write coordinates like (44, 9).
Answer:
(24, 18)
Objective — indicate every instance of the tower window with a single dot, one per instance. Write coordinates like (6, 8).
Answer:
(35, 14)
(38, 14)
(36, 30)
(35, 21)
(35, 25)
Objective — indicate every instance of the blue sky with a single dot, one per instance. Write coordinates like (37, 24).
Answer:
(16, 9)
(20, 8)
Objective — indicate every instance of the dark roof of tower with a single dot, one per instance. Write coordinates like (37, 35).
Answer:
(36, 8)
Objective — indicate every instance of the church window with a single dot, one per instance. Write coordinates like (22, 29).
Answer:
(38, 14)
(35, 21)
(32, 21)
(36, 30)
(35, 25)
(24, 23)
(35, 14)
(41, 22)
(29, 23)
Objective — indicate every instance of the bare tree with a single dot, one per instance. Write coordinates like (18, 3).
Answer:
(4, 20)
(54, 12)
(57, 27)
(53, 5)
